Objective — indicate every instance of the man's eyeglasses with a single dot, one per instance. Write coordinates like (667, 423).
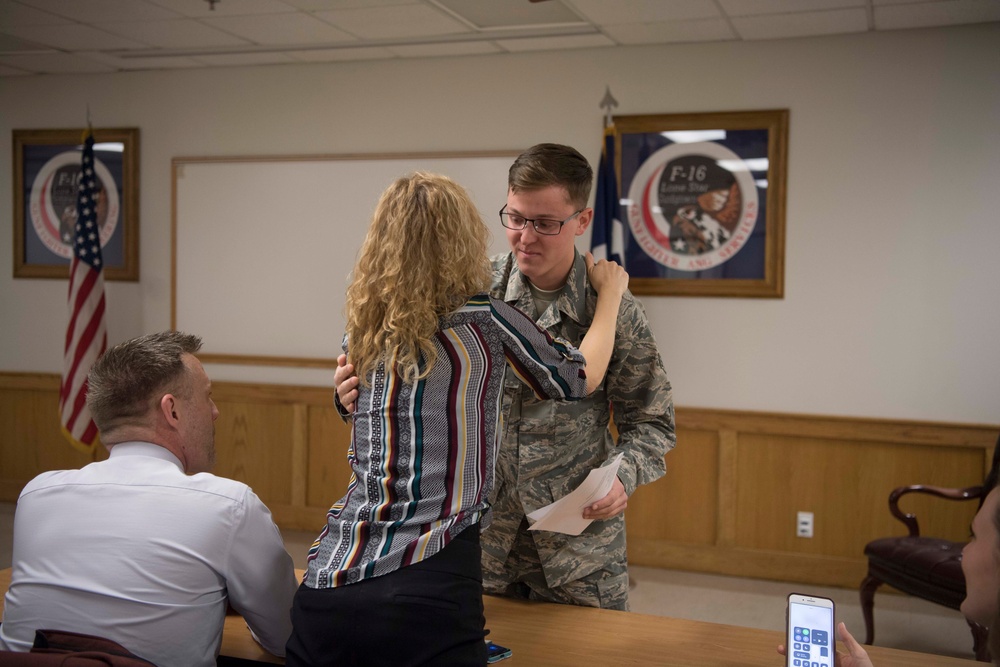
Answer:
(544, 226)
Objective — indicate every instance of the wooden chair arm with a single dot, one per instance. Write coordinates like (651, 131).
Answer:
(910, 520)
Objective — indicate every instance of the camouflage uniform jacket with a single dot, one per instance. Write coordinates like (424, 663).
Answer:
(549, 446)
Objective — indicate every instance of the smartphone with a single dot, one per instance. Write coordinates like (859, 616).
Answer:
(810, 641)
(496, 653)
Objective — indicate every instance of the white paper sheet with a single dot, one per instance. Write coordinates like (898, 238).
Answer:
(566, 514)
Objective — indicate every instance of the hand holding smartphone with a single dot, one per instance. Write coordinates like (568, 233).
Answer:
(809, 637)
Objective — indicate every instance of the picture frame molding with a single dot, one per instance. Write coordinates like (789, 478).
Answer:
(128, 270)
(776, 122)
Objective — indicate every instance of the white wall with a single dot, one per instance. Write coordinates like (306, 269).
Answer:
(890, 305)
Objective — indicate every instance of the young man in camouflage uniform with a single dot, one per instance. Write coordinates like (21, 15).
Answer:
(549, 447)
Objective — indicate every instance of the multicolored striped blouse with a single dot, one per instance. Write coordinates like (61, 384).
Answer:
(422, 454)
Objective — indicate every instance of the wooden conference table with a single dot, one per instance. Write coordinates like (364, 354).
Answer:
(552, 635)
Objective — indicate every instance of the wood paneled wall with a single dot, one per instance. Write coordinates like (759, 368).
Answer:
(736, 481)
(31, 439)
(727, 504)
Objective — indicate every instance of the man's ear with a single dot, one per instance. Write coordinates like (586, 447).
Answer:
(168, 406)
(584, 220)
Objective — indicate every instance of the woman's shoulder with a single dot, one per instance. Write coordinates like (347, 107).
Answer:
(481, 307)
(474, 303)
(478, 305)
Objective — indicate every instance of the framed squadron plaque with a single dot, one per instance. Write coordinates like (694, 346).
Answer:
(703, 202)
(47, 174)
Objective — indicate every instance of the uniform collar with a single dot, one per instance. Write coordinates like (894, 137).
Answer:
(572, 301)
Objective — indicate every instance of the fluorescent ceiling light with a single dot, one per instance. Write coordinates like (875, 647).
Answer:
(691, 136)
(753, 164)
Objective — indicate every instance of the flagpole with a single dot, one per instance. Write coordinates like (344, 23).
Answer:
(607, 236)
(608, 103)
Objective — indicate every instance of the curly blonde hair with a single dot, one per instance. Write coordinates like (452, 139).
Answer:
(424, 256)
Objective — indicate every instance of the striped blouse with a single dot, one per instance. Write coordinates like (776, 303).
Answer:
(422, 454)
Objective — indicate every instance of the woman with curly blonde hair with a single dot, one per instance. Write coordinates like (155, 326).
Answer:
(411, 271)
(395, 576)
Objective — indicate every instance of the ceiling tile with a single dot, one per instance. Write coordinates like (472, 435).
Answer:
(291, 29)
(129, 62)
(554, 43)
(11, 44)
(239, 59)
(11, 71)
(201, 8)
(927, 15)
(405, 21)
(332, 55)
(492, 14)
(54, 63)
(802, 24)
(446, 49)
(603, 12)
(318, 5)
(13, 13)
(176, 34)
(752, 7)
(707, 30)
(162, 34)
(95, 11)
(74, 37)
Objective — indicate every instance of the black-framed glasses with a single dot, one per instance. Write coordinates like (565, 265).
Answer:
(544, 226)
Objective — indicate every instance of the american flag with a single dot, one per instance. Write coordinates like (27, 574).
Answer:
(607, 239)
(86, 334)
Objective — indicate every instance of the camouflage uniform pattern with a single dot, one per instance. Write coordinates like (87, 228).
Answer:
(549, 447)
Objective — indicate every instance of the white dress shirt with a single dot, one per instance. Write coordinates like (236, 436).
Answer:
(134, 550)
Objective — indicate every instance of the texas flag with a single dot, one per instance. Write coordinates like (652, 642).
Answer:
(607, 240)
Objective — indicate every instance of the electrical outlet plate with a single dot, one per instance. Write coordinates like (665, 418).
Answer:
(804, 524)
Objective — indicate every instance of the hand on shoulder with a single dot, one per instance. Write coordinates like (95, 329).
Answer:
(607, 277)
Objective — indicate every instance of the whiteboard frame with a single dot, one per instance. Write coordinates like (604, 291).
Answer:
(176, 167)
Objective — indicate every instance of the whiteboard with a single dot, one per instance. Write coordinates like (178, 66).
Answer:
(263, 247)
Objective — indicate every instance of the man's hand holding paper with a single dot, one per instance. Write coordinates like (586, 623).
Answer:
(566, 515)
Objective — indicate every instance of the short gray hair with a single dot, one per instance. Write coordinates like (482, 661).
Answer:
(125, 381)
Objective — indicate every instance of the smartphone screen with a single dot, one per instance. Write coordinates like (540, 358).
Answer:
(496, 653)
(810, 640)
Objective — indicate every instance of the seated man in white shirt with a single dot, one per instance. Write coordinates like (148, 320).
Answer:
(147, 548)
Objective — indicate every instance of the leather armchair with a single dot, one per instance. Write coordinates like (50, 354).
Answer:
(926, 567)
